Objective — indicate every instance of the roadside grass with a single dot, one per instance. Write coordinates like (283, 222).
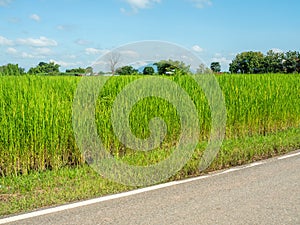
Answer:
(70, 184)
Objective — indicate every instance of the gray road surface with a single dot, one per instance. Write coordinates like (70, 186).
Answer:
(264, 194)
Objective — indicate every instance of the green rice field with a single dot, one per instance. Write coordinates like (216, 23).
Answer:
(36, 116)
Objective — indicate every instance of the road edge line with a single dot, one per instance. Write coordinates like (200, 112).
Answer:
(61, 208)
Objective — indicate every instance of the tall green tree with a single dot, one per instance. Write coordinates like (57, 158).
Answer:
(273, 62)
(247, 62)
(215, 67)
(76, 71)
(11, 70)
(45, 68)
(291, 62)
(148, 70)
(126, 70)
(170, 67)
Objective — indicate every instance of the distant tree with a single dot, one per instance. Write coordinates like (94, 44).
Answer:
(89, 71)
(148, 70)
(298, 65)
(126, 70)
(202, 69)
(45, 68)
(11, 70)
(33, 70)
(21, 70)
(170, 67)
(215, 67)
(163, 67)
(291, 62)
(113, 60)
(76, 71)
(273, 62)
(247, 62)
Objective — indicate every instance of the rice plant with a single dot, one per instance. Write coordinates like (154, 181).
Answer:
(36, 115)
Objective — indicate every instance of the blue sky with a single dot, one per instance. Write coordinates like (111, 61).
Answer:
(74, 33)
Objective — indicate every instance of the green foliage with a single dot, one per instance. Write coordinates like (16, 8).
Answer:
(247, 62)
(11, 70)
(76, 71)
(36, 115)
(292, 62)
(45, 68)
(126, 70)
(273, 62)
(170, 67)
(215, 67)
(148, 70)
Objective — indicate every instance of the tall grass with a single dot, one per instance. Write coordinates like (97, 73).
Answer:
(36, 115)
(36, 124)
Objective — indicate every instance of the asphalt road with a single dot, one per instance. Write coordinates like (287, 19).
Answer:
(264, 194)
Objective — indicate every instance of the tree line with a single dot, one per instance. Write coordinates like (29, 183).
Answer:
(11, 69)
(272, 62)
(245, 62)
(164, 67)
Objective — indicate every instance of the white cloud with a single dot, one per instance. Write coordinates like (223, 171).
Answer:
(11, 51)
(42, 51)
(35, 53)
(197, 48)
(40, 42)
(66, 64)
(5, 41)
(61, 27)
(82, 42)
(143, 4)
(95, 51)
(14, 20)
(277, 50)
(5, 2)
(123, 10)
(65, 27)
(222, 60)
(71, 56)
(35, 17)
(100, 63)
(140, 64)
(129, 53)
(201, 3)
(140, 4)
(26, 55)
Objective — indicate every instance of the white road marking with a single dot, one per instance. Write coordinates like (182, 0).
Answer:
(229, 171)
(255, 164)
(129, 193)
(289, 156)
